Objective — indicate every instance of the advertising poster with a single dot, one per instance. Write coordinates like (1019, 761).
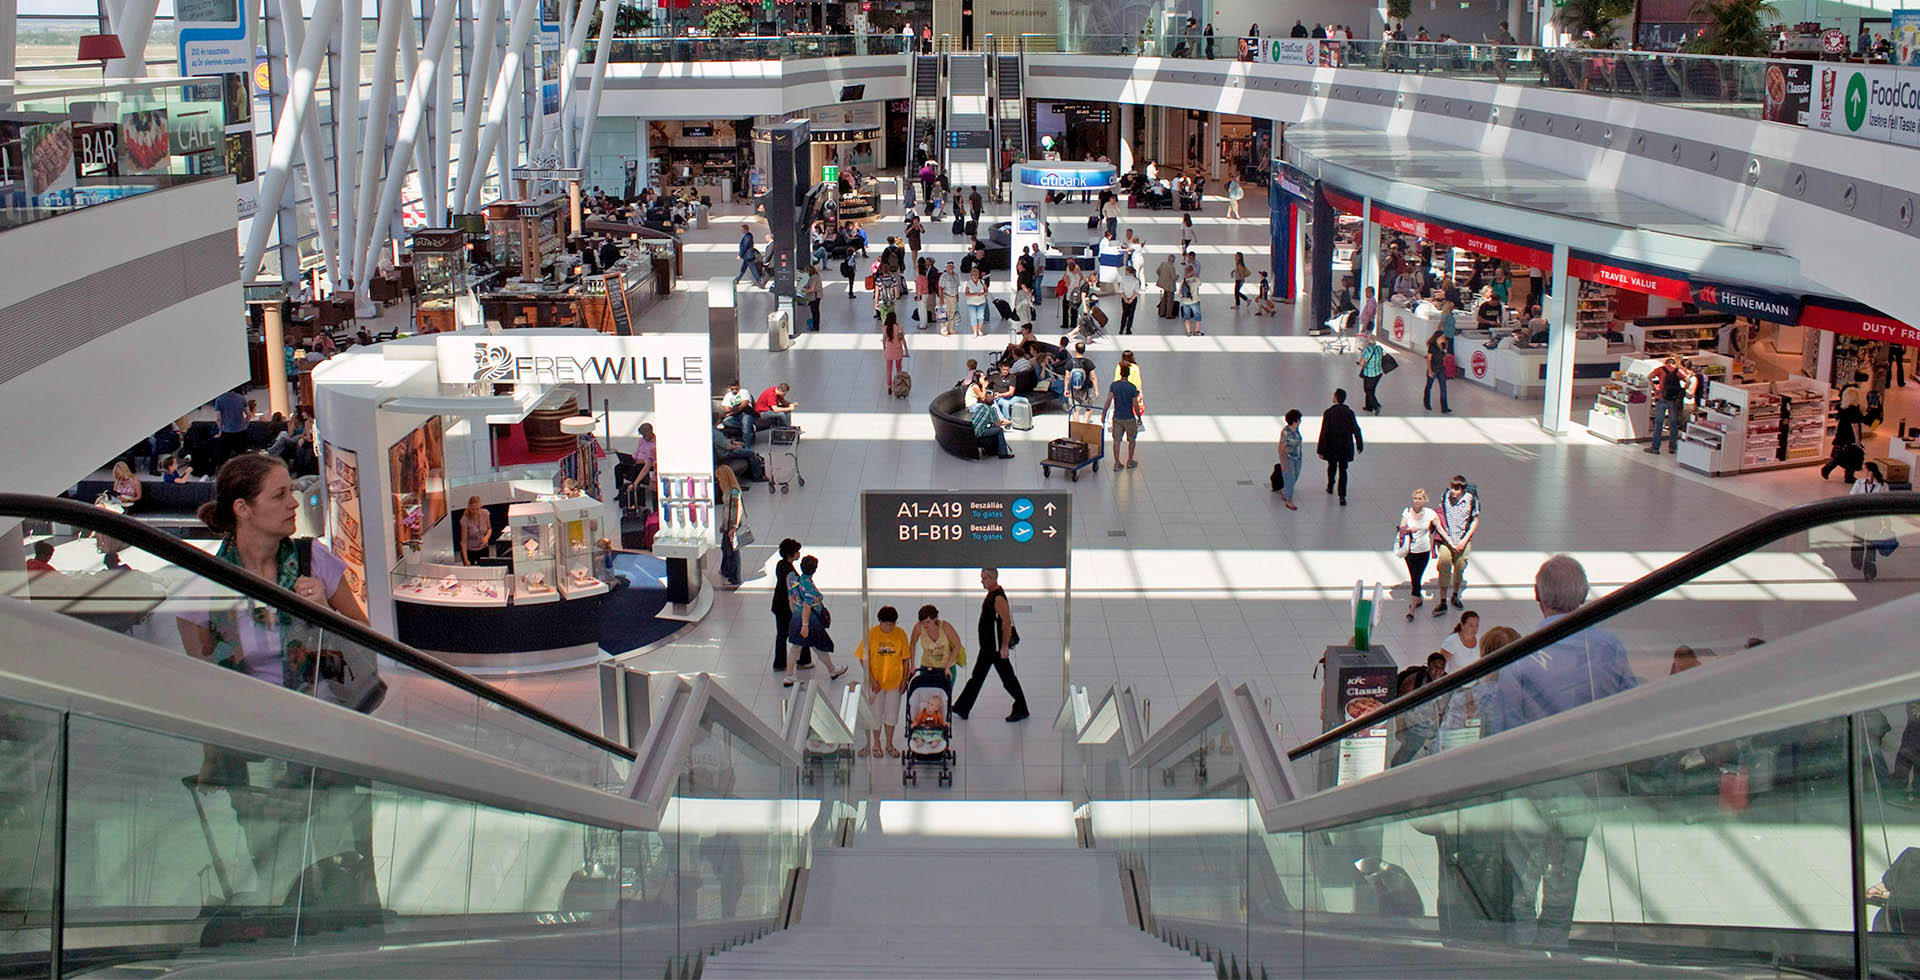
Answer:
(196, 129)
(1906, 37)
(1029, 219)
(144, 141)
(417, 467)
(1789, 90)
(48, 149)
(342, 467)
(1292, 51)
(97, 149)
(214, 36)
(1869, 102)
(240, 156)
(1362, 689)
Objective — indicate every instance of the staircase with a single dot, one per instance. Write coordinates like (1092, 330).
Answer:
(961, 890)
(969, 144)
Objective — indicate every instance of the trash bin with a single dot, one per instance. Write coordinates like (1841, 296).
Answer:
(779, 337)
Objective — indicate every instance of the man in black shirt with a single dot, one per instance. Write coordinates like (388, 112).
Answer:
(997, 640)
(1340, 441)
(1299, 29)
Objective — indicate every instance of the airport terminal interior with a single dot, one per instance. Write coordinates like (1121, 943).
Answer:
(936, 489)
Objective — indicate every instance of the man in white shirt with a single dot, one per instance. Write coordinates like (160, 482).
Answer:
(1129, 297)
(1111, 212)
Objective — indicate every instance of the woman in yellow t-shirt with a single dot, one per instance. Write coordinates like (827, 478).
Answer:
(936, 645)
(887, 653)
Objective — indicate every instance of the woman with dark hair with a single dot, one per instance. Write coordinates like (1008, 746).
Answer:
(810, 620)
(253, 510)
(783, 609)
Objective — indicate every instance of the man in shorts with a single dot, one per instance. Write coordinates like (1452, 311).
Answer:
(1123, 401)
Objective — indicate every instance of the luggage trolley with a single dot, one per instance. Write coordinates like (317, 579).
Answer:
(1085, 445)
(783, 457)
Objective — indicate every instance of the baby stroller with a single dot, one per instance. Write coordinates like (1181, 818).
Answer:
(929, 729)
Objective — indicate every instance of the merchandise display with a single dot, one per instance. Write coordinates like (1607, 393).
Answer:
(437, 583)
(1623, 410)
(1758, 426)
(1679, 338)
(1593, 315)
(530, 526)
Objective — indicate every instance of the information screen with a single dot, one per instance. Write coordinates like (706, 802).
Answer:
(966, 529)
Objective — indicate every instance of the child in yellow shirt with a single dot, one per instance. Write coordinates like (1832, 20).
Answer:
(886, 656)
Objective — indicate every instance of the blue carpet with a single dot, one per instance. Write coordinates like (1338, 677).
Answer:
(631, 616)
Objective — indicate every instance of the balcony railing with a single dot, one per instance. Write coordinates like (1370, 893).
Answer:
(791, 46)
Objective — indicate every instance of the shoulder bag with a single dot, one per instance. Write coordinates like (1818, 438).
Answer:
(1387, 364)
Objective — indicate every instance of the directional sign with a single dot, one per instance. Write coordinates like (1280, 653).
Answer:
(966, 529)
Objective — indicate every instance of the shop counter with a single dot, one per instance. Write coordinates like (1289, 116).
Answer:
(475, 632)
(1407, 328)
(1521, 372)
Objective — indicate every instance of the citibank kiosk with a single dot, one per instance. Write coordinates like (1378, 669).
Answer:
(1033, 181)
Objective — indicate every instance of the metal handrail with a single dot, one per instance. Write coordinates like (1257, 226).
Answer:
(189, 558)
(1726, 548)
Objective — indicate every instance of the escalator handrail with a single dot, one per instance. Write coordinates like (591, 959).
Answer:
(189, 558)
(1722, 550)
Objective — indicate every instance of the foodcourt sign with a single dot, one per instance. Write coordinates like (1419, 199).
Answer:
(1875, 103)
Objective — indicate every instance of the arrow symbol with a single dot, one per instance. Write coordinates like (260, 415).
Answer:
(1050, 509)
(1049, 531)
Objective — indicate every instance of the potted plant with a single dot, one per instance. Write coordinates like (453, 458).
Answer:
(726, 20)
(1736, 28)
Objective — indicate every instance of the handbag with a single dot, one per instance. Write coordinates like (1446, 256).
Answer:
(1451, 366)
(1060, 287)
(1388, 365)
(1402, 543)
(869, 282)
(742, 535)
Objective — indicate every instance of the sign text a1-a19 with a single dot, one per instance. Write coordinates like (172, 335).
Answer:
(963, 529)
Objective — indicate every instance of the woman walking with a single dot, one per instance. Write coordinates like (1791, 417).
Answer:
(1874, 533)
(1186, 234)
(1419, 524)
(783, 573)
(935, 644)
(1068, 289)
(1290, 457)
(893, 348)
(1372, 367)
(1437, 371)
(1464, 639)
(808, 631)
(1234, 194)
(812, 293)
(1240, 275)
(731, 512)
(1190, 304)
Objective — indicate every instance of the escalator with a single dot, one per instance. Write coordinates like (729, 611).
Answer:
(1010, 107)
(1744, 810)
(969, 144)
(164, 817)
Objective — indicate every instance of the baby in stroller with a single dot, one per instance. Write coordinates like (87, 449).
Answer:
(929, 729)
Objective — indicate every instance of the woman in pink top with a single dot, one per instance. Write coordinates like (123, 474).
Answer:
(893, 348)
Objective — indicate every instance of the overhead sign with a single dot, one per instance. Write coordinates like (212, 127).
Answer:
(527, 357)
(1064, 175)
(1611, 272)
(969, 139)
(1855, 320)
(1292, 180)
(1875, 103)
(1747, 301)
(214, 36)
(1291, 51)
(1460, 236)
(967, 528)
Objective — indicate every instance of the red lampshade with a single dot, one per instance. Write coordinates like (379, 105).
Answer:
(101, 47)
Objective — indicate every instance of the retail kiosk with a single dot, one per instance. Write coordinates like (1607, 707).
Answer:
(405, 441)
(1034, 180)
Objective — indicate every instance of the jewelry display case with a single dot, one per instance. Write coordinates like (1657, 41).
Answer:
(580, 558)
(534, 542)
(435, 583)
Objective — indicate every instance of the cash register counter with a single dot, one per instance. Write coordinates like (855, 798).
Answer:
(1517, 372)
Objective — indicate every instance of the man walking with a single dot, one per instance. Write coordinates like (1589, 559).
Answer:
(1340, 441)
(748, 265)
(974, 204)
(997, 640)
(231, 406)
(1460, 511)
(1668, 383)
(1129, 284)
(1123, 400)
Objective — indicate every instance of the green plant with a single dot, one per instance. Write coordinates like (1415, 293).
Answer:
(1591, 21)
(1399, 10)
(1734, 27)
(726, 20)
(629, 22)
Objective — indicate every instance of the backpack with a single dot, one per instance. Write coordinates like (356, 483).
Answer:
(1077, 379)
(1670, 386)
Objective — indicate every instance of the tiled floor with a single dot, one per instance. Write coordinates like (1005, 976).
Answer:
(1188, 568)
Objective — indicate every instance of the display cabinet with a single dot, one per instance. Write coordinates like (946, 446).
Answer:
(438, 583)
(578, 529)
(1623, 410)
(440, 273)
(1758, 426)
(532, 531)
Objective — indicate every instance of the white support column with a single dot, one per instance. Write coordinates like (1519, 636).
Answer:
(1561, 313)
(373, 147)
(1129, 154)
(286, 137)
(602, 52)
(9, 37)
(134, 23)
(1369, 262)
(439, 30)
(570, 66)
(437, 187)
(409, 70)
(346, 130)
(311, 149)
(479, 81)
(505, 84)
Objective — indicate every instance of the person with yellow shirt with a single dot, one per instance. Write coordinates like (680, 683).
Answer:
(888, 655)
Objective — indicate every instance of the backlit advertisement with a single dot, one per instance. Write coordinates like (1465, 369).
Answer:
(1875, 103)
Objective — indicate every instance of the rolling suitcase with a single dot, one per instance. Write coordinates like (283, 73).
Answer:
(973, 228)
(1022, 413)
(1004, 308)
(959, 224)
(1169, 310)
(902, 384)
